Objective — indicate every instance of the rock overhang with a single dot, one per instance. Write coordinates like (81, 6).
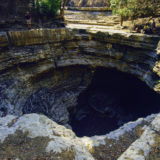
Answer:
(83, 47)
(44, 58)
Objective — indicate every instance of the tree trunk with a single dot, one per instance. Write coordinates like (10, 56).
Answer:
(121, 21)
(63, 7)
(38, 12)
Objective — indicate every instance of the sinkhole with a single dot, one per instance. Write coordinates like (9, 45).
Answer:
(112, 99)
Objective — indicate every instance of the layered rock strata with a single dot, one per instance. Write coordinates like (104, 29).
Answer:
(45, 70)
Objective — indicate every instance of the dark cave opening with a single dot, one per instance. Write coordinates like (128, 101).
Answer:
(112, 99)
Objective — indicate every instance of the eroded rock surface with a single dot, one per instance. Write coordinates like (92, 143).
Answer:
(45, 70)
(35, 136)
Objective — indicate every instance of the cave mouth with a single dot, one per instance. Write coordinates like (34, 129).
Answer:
(112, 99)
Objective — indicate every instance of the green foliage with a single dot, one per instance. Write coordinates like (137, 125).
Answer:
(49, 7)
(134, 8)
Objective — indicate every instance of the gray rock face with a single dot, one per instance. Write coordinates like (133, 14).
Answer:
(39, 138)
(56, 101)
(45, 70)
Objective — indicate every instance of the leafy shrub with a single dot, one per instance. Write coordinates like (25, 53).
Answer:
(49, 7)
(132, 9)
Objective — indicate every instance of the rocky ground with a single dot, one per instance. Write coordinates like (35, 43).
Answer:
(35, 136)
(45, 70)
(97, 18)
(88, 3)
(103, 20)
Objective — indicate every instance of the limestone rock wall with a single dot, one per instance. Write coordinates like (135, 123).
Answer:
(45, 70)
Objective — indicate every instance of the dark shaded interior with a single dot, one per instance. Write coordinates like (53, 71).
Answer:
(112, 99)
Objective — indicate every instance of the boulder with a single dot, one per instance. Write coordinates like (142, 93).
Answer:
(35, 136)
